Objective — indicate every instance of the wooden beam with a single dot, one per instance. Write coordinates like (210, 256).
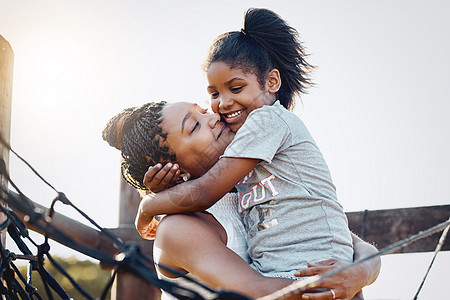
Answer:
(384, 227)
(77, 231)
(86, 235)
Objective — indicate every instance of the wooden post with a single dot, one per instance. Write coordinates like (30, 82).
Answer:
(127, 286)
(6, 78)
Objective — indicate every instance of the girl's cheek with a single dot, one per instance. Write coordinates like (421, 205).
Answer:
(215, 106)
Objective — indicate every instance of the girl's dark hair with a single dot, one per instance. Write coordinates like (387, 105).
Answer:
(265, 42)
(136, 132)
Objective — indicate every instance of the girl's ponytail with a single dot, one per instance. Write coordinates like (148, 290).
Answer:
(282, 43)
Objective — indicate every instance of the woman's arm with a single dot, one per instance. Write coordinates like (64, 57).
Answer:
(195, 243)
(371, 268)
(195, 195)
(348, 283)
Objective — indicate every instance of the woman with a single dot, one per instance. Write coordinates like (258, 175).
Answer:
(186, 134)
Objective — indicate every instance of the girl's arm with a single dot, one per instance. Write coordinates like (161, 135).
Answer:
(194, 195)
(345, 284)
(158, 178)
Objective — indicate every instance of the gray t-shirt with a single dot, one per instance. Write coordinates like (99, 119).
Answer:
(288, 200)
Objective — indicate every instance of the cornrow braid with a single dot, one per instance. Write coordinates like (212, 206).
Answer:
(136, 132)
(266, 42)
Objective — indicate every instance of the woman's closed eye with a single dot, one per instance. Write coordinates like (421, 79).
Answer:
(196, 125)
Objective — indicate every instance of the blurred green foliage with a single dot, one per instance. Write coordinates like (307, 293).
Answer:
(86, 273)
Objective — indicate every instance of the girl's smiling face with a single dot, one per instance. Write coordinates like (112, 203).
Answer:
(196, 137)
(235, 93)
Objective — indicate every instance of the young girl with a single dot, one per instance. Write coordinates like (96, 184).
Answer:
(286, 194)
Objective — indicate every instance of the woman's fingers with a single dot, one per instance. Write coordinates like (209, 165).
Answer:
(317, 268)
(312, 271)
(344, 284)
(328, 262)
(323, 294)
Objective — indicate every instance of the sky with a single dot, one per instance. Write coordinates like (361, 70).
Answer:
(379, 110)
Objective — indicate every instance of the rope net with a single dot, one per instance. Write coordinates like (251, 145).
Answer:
(129, 257)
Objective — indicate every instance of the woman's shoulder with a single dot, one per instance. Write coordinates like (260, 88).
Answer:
(178, 223)
(179, 228)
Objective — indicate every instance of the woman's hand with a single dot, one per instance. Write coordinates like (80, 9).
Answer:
(159, 178)
(345, 285)
(145, 223)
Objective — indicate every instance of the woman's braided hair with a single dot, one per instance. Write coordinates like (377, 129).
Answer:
(136, 132)
(265, 42)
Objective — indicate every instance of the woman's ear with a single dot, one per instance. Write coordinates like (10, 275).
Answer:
(273, 81)
(183, 177)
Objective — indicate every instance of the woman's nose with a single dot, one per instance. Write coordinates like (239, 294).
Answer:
(213, 119)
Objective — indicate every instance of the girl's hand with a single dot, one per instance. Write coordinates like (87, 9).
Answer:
(159, 178)
(146, 224)
(345, 285)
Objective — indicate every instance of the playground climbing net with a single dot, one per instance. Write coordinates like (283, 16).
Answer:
(130, 259)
